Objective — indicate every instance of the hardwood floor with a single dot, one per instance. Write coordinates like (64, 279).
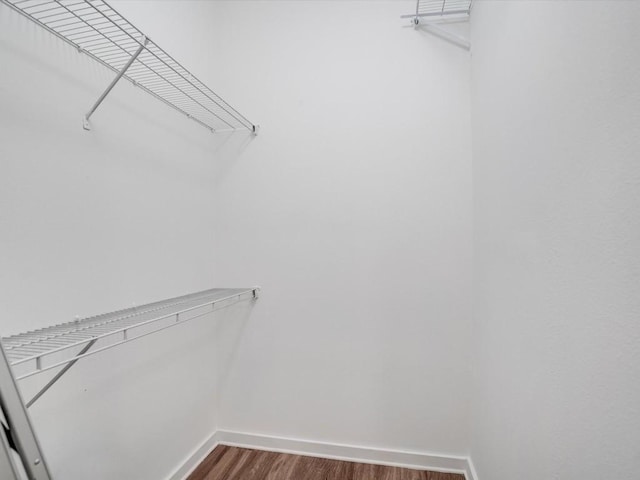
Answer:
(232, 463)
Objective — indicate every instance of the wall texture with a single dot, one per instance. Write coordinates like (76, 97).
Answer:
(352, 209)
(556, 122)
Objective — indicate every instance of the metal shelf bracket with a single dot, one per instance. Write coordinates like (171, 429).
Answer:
(143, 44)
(59, 375)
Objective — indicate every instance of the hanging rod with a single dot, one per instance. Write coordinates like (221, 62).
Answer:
(98, 30)
(40, 350)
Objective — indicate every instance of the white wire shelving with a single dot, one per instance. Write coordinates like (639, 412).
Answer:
(98, 30)
(62, 345)
(441, 8)
(431, 14)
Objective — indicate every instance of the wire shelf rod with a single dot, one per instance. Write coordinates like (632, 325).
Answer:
(215, 305)
(63, 329)
(107, 347)
(129, 324)
(82, 340)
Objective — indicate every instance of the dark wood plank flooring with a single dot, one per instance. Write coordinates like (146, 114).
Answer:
(232, 463)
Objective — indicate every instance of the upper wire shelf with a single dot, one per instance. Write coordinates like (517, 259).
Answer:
(56, 346)
(441, 8)
(97, 29)
(432, 13)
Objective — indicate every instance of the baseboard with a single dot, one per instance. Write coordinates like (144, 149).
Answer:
(195, 458)
(470, 472)
(398, 458)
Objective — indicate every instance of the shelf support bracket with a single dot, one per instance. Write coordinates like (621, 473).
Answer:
(435, 29)
(58, 375)
(19, 429)
(85, 123)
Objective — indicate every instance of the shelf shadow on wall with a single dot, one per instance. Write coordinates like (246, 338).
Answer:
(229, 330)
(444, 33)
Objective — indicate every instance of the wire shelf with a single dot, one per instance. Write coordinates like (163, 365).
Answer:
(441, 8)
(56, 346)
(95, 28)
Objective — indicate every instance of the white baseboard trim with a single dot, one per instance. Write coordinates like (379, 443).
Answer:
(470, 472)
(398, 458)
(195, 458)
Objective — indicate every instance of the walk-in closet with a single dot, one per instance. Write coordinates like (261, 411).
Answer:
(319, 239)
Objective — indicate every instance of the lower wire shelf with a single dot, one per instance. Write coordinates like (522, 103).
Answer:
(62, 345)
(29, 353)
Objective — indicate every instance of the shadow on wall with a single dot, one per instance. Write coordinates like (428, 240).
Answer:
(451, 33)
(228, 332)
(229, 148)
(43, 41)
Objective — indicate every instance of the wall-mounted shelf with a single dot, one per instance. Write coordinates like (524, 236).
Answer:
(432, 13)
(41, 350)
(95, 28)
(61, 346)
(434, 9)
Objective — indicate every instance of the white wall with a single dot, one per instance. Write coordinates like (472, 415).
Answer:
(352, 209)
(556, 179)
(92, 222)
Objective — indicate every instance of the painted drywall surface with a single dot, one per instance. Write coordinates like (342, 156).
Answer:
(352, 209)
(96, 221)
(354, 212)
(556, 142)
